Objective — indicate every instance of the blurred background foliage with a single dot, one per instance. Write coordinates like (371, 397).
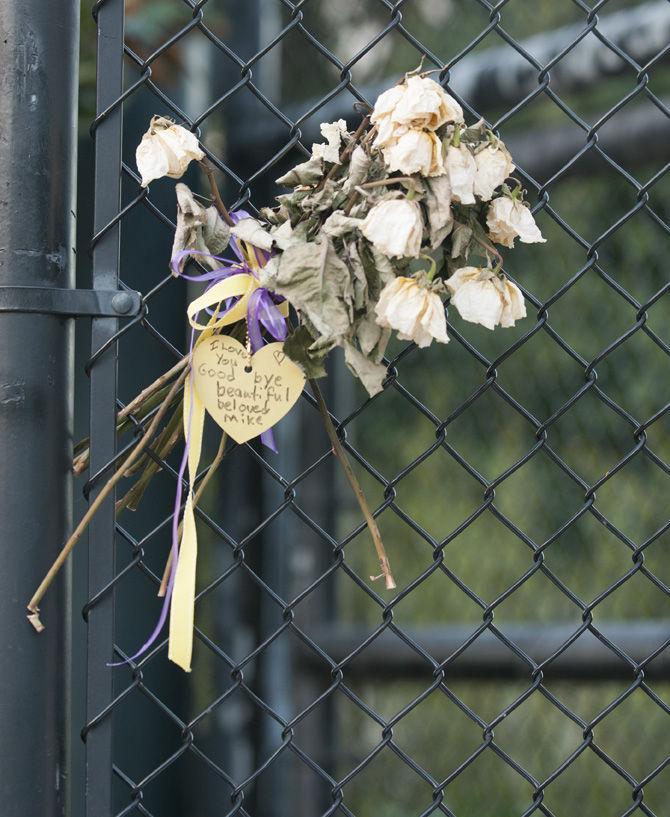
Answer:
(439, 493)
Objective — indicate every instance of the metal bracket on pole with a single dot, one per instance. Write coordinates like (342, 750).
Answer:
(94, 303)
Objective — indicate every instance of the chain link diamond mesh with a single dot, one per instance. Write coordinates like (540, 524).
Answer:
(518, 479)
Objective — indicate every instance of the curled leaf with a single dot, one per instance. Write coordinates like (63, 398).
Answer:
(253, 232)
(438, 204)
(307, 173)
(198, 228)
(370, 374)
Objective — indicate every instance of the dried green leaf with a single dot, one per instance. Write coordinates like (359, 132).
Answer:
(338, 224)
(461, 238)
(379, 269)
(292, 203)
(359, 166)
(324, 199)
(307, 173)
(274, 215)
(308, 354)
(198, 228)
(438, 204)
(370, 374)
(359, 278)
(372, 338)
(317, 283)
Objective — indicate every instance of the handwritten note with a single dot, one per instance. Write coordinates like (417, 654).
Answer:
(245, 396)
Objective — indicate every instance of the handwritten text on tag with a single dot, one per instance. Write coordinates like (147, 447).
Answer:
(245, 396)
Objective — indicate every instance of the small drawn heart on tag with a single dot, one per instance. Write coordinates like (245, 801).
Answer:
(245, 396)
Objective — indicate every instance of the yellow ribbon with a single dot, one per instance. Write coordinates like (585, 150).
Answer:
(180, 648)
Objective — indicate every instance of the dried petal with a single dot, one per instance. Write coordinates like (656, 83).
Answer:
(416, 313)
(481, 296)
(508, 219)
(166, 149)
(461, 169)
(330, 150)
(418, 102)
(416, 151)
(395, 227)
(494, 165)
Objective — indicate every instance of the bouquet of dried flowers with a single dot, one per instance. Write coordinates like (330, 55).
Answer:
(378, 228)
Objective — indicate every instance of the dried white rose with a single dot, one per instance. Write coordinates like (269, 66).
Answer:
(508, 219)
(494, 165)
(166, 149)
(415, 312)
(388, 130)
(395, 227)
(416, 151)
(482, 296)
(425, 104)
(417, 103)
(461, 169)
(330, 150)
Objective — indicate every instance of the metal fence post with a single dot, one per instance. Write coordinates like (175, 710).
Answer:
(38, 110)
(106, 247)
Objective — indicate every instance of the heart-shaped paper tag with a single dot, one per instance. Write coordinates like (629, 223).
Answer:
(245, 396)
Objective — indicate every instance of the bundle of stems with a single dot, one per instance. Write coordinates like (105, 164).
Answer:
(160, 431)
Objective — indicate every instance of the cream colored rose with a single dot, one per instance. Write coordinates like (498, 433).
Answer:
(461, 169)
(494, 165)
(332, 132)
(387, 102)
(166, 149)
(508, 219)
(418, 103)
(416, 151)
(415, 312)
(395, 227)
(482, 296)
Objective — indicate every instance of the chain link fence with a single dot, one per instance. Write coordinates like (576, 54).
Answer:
(518, 477)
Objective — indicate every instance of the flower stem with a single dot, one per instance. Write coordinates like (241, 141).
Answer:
(490, 248)
(386, 182)
(216, 195)
(80, 462)
(341, 455)
(105, 491)
(162, 447)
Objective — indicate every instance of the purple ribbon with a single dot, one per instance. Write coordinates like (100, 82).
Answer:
(262, 311)
(262, 306)
(165, 607)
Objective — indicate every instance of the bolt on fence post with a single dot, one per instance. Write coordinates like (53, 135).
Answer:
(38, 108)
